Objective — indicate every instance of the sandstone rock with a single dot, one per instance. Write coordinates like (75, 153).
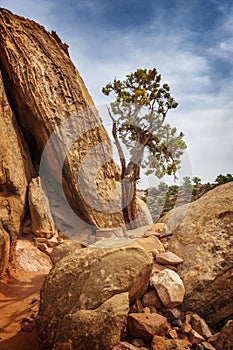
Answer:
(151, 299)
(172, 334)
(200, 326)
(41, 219)
(64, 249)
(158, 343)
(151, 244)
(145, 325)
(45, 90)
(95, 329)
(195, 338)
(159, 227)
(84, 280)
(144, 217)
(207, 346)
(137, 307)
(225, 338)
(177, 344)
(15, 172)
(203, 239)
(167, 258)
(30, 258)
(169, 287)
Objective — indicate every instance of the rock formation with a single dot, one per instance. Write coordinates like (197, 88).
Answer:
(93, 282)
(202, 237)
(16, 171)
(44, 90)
(47, 113)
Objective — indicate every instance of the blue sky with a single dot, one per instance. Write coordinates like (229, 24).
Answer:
(189, 42)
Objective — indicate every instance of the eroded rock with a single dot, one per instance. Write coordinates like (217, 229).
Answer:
(202, 237)
(86, 279)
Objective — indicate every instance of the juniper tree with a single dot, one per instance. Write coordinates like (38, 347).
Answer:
(138, 115)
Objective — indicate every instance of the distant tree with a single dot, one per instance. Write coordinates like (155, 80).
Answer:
(222, 179)
(196, 180)
(138, 117)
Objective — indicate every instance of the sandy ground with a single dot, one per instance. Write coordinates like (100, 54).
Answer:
(19, 300)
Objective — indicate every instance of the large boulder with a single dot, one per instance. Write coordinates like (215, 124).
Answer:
(202, 237)
(55, 110)
(91, 284)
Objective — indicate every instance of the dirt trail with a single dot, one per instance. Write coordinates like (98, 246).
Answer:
(19, 301)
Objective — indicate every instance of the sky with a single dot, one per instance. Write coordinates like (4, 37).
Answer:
(189, 42)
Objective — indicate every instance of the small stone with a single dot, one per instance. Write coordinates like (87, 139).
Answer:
(151, 299)
(200, 326)
(208, 346)
(137, 307)
(172, 334)
(172, 313)
(138, 342)
(168, 258)
(169, 287)
(186, 328)
(145, 326)
(181, 344)
(158, 343)
(195, 338)
(146, 310)
(159, 227)
(151, 244)
(176, 323)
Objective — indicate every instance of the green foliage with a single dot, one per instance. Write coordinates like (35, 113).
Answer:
(139, 112)
(196, 180)
(222, 179)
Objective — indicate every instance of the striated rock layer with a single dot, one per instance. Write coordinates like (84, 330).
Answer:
(16, 170)
(203, 238)
(44, 89)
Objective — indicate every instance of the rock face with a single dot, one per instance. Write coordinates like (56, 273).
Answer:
(203, 239)
(44, 90)
(91, 281)
(15, 173)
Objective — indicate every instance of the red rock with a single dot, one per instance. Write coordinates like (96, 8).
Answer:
(168, 258)
(151, 299)
(145, 326)
(179, 344)
(195, 338)
(172, 334)
(200, 326)
(158, 343)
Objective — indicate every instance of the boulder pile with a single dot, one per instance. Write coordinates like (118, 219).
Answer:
(122, 298)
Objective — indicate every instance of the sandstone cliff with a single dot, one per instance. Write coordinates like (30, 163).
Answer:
(40, 89)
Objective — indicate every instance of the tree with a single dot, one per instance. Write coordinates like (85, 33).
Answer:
(196, 180)
(138, 115)
(223, 179)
